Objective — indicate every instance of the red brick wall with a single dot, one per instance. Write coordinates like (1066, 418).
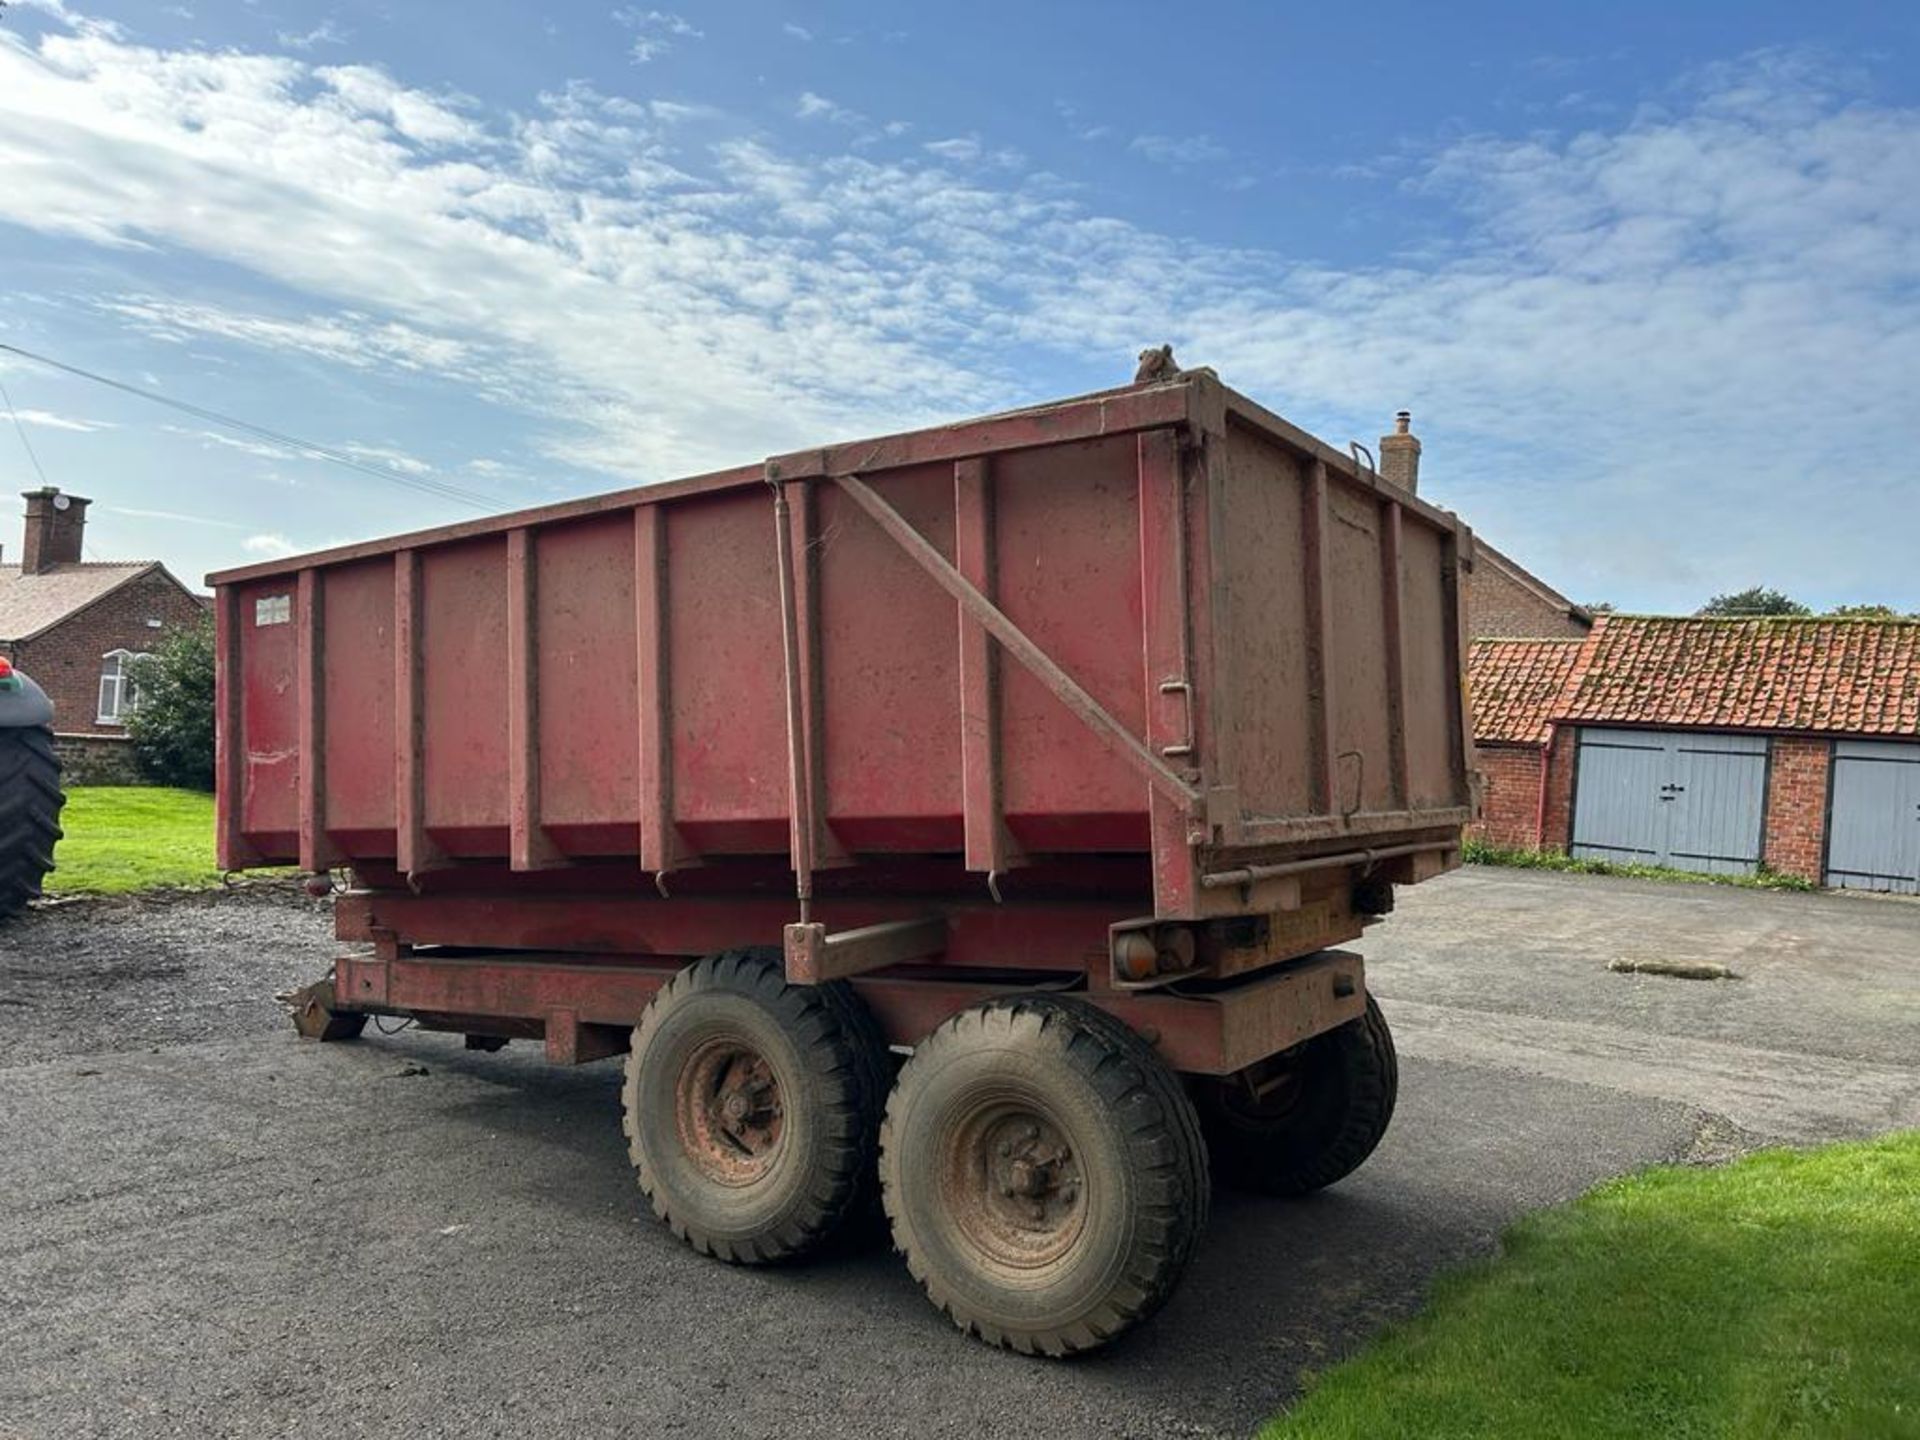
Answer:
(65, 661)
(1509, 797)
(1498, 606)
(1797, 806)
(1557, 833)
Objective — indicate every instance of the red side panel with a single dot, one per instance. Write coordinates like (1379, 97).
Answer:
(1066, 527)
(463, 609)
(588, 737)
(1271, 711)
(357, 663)
(269, 717)
(889, 663)
(1335, 595)
(1362, 719)
(725, 674)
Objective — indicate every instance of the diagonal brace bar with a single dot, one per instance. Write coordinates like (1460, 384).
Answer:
(1115, 736)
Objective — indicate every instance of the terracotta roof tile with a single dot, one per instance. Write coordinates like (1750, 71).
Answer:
(1516, 684)
(1854, 677)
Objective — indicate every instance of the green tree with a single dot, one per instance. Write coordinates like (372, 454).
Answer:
(172, 726)
(1755, 601)
(1865, 612)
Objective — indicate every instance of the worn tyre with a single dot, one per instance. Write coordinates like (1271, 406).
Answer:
(1305, 1118)
(30, 801)
(1044, 1174)
(753, 1107)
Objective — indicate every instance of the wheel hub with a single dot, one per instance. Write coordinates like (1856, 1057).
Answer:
(729, 1112)
(1018, 1187)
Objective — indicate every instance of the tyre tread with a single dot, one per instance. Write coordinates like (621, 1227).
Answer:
(1363, 1053)
(30, 804)
(1163, 1137)
(841, 1047)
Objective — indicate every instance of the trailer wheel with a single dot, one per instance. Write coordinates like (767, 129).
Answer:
(30, 801)
(1044, 1174)
(1306, 1118)
(753, 1107)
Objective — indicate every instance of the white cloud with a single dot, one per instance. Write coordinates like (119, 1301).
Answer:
(58, 10)
(959, 148)
(176, 516)
(1178, 151)
(1647, 341)
(46, 419)
(348, 337)
(674, 112)
(1081, 129)
(798, 32)
(391, 458)
(656, 32)
(327, 32)
(968, 150)
(818, 107)
(815, 106)
(269, 547)
(259, 449)
(384, 457)
(367, 91)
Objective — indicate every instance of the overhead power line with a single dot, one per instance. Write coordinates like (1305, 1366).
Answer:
(260, 432)
(25, 443)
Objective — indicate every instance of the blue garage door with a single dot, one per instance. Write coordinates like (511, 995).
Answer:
(1873, 838)
(1688, 800)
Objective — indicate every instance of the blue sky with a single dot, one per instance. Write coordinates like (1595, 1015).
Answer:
(1647, 275)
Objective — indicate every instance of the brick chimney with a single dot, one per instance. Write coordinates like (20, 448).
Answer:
(56, 526)
(1400, 454)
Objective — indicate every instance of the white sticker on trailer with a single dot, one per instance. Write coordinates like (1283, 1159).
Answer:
(273, 610)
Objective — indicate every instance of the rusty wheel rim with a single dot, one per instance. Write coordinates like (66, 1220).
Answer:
(1015, 1186)
(728, 1111)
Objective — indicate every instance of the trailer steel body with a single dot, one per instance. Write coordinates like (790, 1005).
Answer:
(1134, 705)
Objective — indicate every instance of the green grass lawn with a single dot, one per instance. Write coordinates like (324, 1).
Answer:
(1778, 1296)
(133, 837)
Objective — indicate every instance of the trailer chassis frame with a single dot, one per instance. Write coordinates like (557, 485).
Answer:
(584, 1005)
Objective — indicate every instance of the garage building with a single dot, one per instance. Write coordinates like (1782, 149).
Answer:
(1717, 745)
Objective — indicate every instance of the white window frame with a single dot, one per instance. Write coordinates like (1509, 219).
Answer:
(117, 687)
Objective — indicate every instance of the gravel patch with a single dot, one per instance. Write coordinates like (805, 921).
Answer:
(79, 977)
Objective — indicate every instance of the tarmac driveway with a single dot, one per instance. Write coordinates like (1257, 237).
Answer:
(207, 1228)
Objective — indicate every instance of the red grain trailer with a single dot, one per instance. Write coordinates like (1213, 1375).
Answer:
(1056, 748)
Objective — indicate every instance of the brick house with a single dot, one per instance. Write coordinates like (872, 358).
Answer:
(1709, 744)
(74, 625)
